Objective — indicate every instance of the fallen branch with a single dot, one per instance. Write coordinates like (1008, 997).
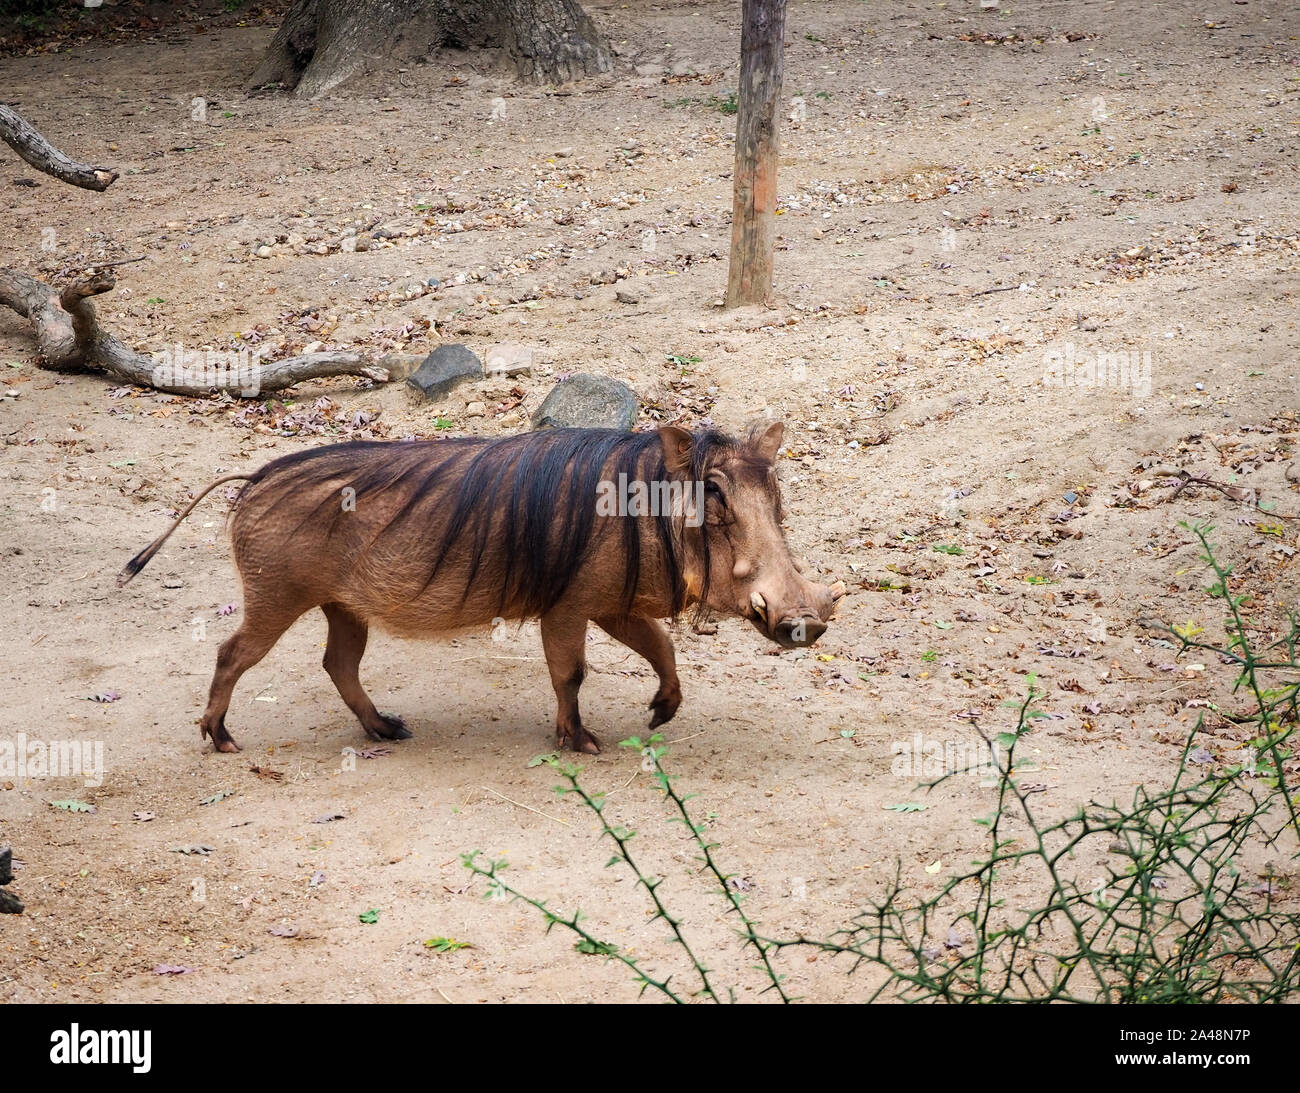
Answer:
(1233, 493)
(24, 139)
(69, 339)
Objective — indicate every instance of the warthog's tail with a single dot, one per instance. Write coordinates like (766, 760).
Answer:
(145, 556)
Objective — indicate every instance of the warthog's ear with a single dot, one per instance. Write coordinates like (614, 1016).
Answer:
(677, 449)
(767, 442)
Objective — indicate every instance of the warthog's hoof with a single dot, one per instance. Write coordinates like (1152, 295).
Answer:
(577, 739)
(390, 727)
(221, 739)
(664, 708)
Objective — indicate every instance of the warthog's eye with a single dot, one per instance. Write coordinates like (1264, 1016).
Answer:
(712, 489)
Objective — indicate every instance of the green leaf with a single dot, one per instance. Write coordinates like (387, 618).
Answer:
(221, 796)
(538, 760)
(440, 944)
(72, 806)
(906, 806)
(369, 917)
(595, 948)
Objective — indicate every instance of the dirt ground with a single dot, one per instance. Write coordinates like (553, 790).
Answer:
(963, 193)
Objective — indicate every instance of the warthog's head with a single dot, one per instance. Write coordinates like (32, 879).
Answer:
(738, 562)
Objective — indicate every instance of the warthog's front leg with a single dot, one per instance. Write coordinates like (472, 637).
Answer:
(564, 640)
(649, 638)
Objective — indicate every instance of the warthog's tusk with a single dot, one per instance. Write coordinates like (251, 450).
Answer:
(759, 604)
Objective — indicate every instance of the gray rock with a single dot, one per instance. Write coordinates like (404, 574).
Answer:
(10, 904)
(445, 369)
(588, 402)
(623, 296)
(6, 864)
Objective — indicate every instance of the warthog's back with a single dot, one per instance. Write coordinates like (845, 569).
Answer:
(435, 535)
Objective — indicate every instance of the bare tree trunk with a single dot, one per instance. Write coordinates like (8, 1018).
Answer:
(321, 43)
(753, 218)
(36, 150)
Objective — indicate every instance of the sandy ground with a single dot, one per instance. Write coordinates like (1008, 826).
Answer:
(1126, 172)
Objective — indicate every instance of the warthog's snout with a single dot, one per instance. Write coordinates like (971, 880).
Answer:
(794, 633)
(800, 627)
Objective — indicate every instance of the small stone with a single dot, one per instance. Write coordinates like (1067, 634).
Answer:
(445, 369)
(476, 409)
(263, 251)
(509, 361)
(604, 277)
(585, 401)
(623, 296)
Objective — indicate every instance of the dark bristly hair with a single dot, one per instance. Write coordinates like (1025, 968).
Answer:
(536, 493)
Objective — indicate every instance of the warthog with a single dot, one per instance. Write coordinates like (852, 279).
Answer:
(422, 538)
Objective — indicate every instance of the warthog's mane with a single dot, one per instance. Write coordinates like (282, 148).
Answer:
(534, 494)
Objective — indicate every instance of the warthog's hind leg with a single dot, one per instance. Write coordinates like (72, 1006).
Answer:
(239, 652)
(564, 638)
(343, 651)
